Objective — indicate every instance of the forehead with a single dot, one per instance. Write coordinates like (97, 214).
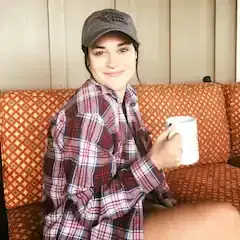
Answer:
(112, 38)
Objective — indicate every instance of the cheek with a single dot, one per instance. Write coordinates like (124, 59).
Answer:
(130, 65)
(130, 62)
(97, 64)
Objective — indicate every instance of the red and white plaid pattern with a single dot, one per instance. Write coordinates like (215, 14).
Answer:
(95, 179)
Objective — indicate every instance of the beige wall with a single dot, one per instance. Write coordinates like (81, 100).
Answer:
(225, 40)
(238, 44)
(182, 40)
(24, 45)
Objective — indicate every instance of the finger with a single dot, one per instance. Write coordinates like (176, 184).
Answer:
(176, 139)
(174, 143)
(165, 134)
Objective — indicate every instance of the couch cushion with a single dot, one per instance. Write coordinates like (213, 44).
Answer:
(204, 101)
(25, 117)
(25, 223)
(217, 182)
(232, 96)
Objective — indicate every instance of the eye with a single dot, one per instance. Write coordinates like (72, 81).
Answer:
(122, 50)
(98, 53)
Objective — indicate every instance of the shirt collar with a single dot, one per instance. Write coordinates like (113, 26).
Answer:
(130, 96)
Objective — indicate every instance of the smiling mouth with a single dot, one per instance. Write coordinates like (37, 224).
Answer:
(113, 74)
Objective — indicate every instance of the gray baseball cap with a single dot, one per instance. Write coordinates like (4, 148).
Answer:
(105, 21)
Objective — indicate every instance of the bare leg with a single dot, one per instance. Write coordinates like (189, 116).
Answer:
(206, 221)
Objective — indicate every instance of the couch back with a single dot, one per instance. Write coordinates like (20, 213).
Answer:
(204, 101)
(25, 117)
(24, 121)
(232, 96)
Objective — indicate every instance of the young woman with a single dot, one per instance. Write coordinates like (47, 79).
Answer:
(101, 169)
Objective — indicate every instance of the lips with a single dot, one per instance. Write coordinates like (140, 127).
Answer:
(113, 74)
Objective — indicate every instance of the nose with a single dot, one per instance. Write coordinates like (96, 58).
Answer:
(112, 60)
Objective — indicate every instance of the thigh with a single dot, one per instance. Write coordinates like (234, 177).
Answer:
(206, 220)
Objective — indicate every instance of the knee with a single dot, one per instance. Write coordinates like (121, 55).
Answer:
(227, 207)
(225, 211)
(217, 211)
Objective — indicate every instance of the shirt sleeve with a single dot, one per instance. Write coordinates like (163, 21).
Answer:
(161, 194)
(80, 174)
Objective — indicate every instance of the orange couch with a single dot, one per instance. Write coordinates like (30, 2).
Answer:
(24, 120)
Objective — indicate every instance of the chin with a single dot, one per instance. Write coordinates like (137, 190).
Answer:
(117, 88)
(124, 80)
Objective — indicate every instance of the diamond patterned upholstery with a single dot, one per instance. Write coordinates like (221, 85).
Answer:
(232, 96)
(204, 101)
(218, 182)
(25, 223)
(24, 122)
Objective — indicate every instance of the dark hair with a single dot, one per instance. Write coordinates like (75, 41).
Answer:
(136, 47)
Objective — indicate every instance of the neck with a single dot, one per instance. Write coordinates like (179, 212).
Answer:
(121, 94)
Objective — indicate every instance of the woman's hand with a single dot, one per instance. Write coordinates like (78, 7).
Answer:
(166, 151)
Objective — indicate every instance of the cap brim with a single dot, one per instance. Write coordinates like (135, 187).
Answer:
(100, 34)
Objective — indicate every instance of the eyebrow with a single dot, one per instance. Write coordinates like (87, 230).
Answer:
(102, 47)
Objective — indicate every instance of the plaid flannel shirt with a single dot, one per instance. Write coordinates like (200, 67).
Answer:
(95, 179)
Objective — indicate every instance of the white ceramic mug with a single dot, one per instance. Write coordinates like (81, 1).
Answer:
(186, 126)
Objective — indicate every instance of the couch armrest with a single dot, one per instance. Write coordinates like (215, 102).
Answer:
(234, 161)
